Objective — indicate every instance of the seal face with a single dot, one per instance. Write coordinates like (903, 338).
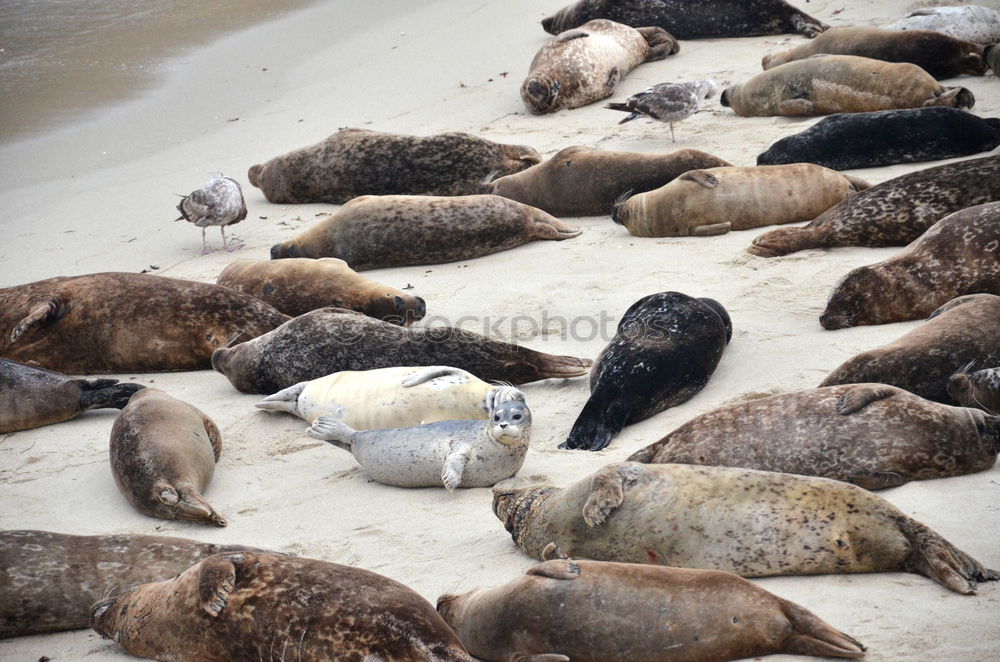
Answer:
(970, 22)
(665, 350)
(977, 389)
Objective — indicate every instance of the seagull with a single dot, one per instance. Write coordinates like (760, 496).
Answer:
(220, 203)
(667, 102)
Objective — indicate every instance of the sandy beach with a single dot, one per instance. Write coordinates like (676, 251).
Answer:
(98, 194)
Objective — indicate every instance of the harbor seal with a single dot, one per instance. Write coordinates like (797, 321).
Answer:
(584, 65)
(375, 232)
(969, 22)
(163, 455)
(977, 389)
(886, 137)
(959, 255)
(692, 19)
(32, 397)
(664, 351)
(295, 286)
(330, 340)
(256, 606)
(476, 453)
(961, 333)
(871, 435)
(892, 213)
(752, 523)
(659, 615)
(123, 322)
(583, 181)
(355, 162)
(827, 84)
(714, 201)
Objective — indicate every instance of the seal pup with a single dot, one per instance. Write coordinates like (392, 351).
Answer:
(583, 181)
(827, 84)
(892, 213)
(977, 389)
(973, 23)
(163, 455)
(584, 65)
(959, 255)
(330, 340)
(50, 580)
(355, 162)
(692, 19)
(664, 351)
(667, 102)
(219, 203)
(716, 200)
(476, 453)
(32, 397)
(658, 615)
(258, 606)
(123, 322)
(375, 232)
(957, 335)
(871, 435)
(886, 137)
(295, 286)
(752, 523)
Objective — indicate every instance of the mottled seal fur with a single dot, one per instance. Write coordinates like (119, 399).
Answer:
(326, 341)
(664, 351)
(892, 213)
(961, 333)
(969, 22)
(163, 455)
(872, 435)
(752, 523)
(959, 255)
(980, 388)
(122, 322)
(256, 606)
(355, 162)
(375, 232)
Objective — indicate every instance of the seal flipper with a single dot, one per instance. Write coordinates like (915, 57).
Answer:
(214, 436)
(862, 395)
(783, 241)
(184, 502)
(661, 43)
(424, 375)
(876, 480)
(935, 557)
(796, 108)
(596, 425)
(40, 314)
(553, 228)
(711, 229)
(105, 393)
(454, 466)
(216, 580)
(607, 491)
(556, 569)
(812, 636)
(286, 400)
(331, 430)
(541, 657)
(701, 177)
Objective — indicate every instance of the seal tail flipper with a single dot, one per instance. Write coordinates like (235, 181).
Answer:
(105, 393)
(783, 241)
(857, 184)
(815, 637)
(336, 432)
(553, 228)
(595, 427)
(187, 504)
(554, 366)
(286, 400)
(607, 491)
(938, 559)
(875, 480)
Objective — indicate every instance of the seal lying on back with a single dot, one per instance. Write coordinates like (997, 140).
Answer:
(961, 333)
(330, 340)
(872, 435)
(586, 64)
(886, 137)
(977, 389)
(892, 213)
(959, 255)
(969, 22)
(355, 162)
(753, 523)
(256, 606)
(656, 614)
(32, 397)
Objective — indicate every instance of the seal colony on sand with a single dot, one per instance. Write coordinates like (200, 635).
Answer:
(753, 523)
(977, 389)
(871, 435)
(375, 232)
(667, 102)
(657, 615)
(969, 22)
(219, 203)
(354, 162)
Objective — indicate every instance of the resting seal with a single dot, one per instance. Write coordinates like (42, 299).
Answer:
(753, 523)
(355, 162)
(969, 22)
(977, 389)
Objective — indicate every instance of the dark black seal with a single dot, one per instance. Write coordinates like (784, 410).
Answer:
(665, 350)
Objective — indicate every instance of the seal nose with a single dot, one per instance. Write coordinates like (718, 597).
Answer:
(548, 23)
(503, 426)
(276, 252)
(617, 215)
(421, 307)
(724, 99)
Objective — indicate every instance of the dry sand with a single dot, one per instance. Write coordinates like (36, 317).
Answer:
(98, 195)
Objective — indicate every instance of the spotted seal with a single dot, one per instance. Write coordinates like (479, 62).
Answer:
(980, 388)
(969, 22)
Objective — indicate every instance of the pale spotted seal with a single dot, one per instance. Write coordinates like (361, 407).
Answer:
(969, 22)
(980, 388)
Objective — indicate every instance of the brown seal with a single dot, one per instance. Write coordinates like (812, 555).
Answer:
(959, 334)
(883, 436)
(330, 340)
(355, 162)
(297, 285)
(826, 84)
(583, 181)
(584, 65)
(977, 389)
(122, 322)
(163, 455)
(753, 523)
(959, 255)
(375, 232)
(558, 610)
(892, 213)
(49, 581)
(717, 200)
(254, 606)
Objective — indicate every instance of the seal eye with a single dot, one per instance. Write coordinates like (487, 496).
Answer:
(496, 417)
(517, 417)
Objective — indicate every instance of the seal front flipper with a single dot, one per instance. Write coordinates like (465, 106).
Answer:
(216, 580)
(454, 466)
(331, 430)
(661, 43)
(286, 400)
(711, 229)
(701, 177)
(812, 636)
(41, 313)
(552, 551)
(105, 393)
(861, 396)
(876, 480)
(607, 491)
(935, 557)
(543, 657)
(557, 569)
(424, 375)
(796, 107)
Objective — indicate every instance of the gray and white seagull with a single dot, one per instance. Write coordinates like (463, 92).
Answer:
(219, 203)
(667, 102)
